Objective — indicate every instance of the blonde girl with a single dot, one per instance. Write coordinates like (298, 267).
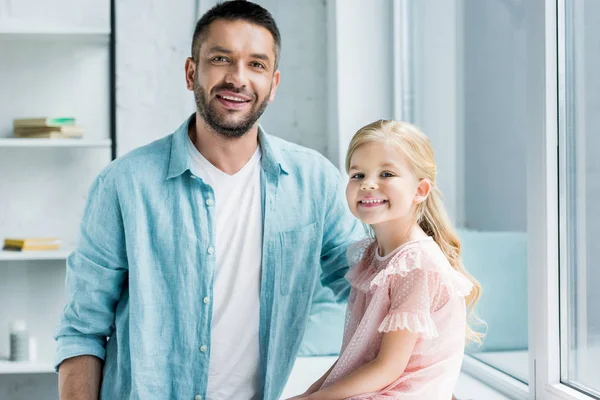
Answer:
(407, 312)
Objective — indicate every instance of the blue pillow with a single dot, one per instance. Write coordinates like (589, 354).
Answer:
(498, 260)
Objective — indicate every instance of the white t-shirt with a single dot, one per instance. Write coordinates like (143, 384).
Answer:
(234, 352)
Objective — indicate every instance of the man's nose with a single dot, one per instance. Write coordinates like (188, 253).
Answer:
(237, 75)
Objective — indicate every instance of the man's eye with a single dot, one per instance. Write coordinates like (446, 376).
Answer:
(258, 65)
(219, 59)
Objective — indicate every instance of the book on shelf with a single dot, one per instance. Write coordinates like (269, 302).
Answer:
(60, 133)
(43, 122)
(51, 130)
(25, 244)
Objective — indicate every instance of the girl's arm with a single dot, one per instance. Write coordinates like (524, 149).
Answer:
(315, 386)
(388, 366)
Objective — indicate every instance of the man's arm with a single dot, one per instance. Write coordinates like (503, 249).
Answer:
(340, 230)
(79, 378)
(96, 271)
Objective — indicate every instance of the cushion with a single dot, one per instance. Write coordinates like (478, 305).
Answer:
(498, 260)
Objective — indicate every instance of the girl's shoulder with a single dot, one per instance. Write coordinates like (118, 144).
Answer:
(419, 255)
(360, 252)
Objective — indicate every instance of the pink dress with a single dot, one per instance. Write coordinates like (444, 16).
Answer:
(413, 288)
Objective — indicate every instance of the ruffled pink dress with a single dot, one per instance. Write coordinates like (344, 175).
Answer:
(413, 288)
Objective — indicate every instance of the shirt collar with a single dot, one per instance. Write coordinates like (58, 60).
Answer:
(273, 161)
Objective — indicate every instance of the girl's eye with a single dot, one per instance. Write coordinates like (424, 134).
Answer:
(387, 174)
(358, 176)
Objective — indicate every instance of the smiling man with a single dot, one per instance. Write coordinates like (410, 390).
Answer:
(199, 253)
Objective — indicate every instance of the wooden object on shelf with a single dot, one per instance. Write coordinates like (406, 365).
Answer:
(32, 244)
(66, 131)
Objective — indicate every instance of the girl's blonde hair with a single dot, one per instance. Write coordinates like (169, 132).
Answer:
(431, 214)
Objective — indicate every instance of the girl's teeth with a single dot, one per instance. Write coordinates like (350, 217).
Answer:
(371, 201)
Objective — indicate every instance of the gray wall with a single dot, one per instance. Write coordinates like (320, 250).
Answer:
(438, 88)
(494, 115)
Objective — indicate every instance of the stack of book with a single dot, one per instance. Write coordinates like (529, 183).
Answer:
(52, 128)
(31, 244)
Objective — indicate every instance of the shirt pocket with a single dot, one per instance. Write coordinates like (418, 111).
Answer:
(300, 259)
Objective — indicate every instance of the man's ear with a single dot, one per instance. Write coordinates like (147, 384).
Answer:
(190, 73)
(276, 79)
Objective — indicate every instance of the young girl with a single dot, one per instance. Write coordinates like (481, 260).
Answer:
(406, 322)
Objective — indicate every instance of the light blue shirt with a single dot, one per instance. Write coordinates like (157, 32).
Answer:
(146, 260)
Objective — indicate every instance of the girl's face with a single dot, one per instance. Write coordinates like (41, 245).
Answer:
(383, 187)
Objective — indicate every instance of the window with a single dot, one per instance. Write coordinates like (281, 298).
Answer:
(509, 93)
(579, 191)
(470, 98)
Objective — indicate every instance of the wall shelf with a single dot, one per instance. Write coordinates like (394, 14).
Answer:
(25, 367)
(18, 142)
(55, 34)
(9, 255)
(57, 58)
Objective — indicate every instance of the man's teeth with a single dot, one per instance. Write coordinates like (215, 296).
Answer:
(373, 201)
(231, 98)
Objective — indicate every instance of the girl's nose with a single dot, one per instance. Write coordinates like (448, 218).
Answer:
(368, 185)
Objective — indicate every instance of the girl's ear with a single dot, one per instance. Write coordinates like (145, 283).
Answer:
(423, 191)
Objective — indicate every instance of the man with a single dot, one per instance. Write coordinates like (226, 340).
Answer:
(199, 253)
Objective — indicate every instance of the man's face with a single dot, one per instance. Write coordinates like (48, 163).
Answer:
(234, 77)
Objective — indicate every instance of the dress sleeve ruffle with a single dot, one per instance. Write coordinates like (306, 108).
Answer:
(414, 322)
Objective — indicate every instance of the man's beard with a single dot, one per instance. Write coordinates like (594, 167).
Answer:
(218, 123)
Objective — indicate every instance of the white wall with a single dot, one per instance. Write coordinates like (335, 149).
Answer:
(360, 70)
(153, 41)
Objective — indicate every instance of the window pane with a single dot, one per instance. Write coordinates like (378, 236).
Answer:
(495, 236)
(580, 190)
(470, 99)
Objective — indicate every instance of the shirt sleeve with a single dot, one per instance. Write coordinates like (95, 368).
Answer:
(96, 271)
(340, 230)
(411, 298)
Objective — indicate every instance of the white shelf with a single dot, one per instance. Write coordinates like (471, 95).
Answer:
(25, 367)
(8, 255)
(18, 142)
(54, 34)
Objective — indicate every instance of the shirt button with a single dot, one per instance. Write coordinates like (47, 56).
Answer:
(206, 300)
(203, 348)
(198, 397)
(209, 202)
(211, 250)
